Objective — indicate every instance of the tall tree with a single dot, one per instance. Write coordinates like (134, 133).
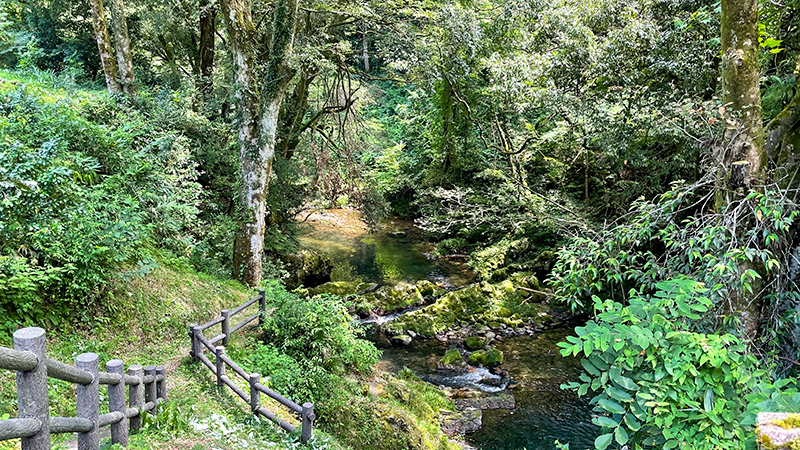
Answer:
(122, 43)
(742, 155)
(259, 103)
(107, 58)
(208, 17)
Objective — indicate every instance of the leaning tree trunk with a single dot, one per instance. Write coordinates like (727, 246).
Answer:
(107, 59)
(743, 156)
(123, 46)
(258, 123)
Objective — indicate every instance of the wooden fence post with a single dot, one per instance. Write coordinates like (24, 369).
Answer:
(32, 401)
(226, 326)
(262, 306)
(150, 388)
(136, 395)
(193, 330)
(255, 394)
(161, 386)
(88, 401)
(308, 422)
(116, 402)
(220, 366)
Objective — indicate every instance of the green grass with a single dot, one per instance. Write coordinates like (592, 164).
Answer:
(146, 323)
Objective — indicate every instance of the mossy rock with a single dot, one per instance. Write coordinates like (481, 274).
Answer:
(486, 358)
(429, 289)
(474, 343)
(451, 357)
(342, 288)
(392, 298)
(484, 303)
(308, 268)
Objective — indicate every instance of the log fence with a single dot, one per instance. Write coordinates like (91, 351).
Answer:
(219, 367)
(34, 426)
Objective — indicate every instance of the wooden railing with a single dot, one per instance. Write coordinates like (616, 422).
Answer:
(221, 362)
(147, 389)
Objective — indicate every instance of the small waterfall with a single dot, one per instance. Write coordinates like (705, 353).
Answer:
(481, 379)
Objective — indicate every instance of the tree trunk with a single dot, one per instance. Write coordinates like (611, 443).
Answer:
(365, 52)
(123, 46)
(291, 124)
(107, 59)
(208, 16)
(741, 87)
(743, 155)
(258, 123)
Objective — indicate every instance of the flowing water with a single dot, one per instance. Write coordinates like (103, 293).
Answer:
(396, 252)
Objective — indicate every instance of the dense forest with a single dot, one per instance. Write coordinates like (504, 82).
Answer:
(627, 169)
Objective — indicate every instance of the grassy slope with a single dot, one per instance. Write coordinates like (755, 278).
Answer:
(146, 324)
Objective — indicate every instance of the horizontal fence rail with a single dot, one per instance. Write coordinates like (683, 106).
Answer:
(221, 363)
(34, 424)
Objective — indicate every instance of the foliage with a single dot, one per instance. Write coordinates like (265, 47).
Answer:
(658, 383)
(308, 344)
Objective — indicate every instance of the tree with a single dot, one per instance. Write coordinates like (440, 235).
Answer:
(122, 42)
(107, 58)
(742, 154)
(259, 103)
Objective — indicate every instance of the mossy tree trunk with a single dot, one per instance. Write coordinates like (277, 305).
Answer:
(259, 103)
(119, 23)
(742, 156)
(107, 59)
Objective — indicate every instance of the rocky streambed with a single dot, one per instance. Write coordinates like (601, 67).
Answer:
(490, 346)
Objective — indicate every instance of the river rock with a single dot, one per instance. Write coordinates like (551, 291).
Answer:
(462, 422)
(464, 399)
(474, 343)
(488, 358)
(342, 288)
(402, 339)
(308, 268)
(490, 335)
(451, 358)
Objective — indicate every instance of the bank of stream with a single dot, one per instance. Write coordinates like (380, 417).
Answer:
(532, 371)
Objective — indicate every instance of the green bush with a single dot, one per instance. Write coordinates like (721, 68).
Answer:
(657, 383)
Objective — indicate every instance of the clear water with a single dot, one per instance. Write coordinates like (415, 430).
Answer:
(395, 252)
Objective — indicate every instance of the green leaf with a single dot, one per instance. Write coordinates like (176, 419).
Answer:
(622, 381)
(603, 441)
(603, 421)
(708, 400)
(618, 394)
(611, 406)
(590, 368)
(621, 436)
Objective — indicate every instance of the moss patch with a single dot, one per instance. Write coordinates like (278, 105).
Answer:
(474, 343)
(483, 303)
(451, 357)
(486, 358)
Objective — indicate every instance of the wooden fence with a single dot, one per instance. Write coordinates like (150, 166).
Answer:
(147, 389)
(221, 362)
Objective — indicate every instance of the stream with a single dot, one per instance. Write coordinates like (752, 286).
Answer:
(396, 252)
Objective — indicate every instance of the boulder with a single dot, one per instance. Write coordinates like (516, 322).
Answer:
(462, 422)
(307, 268)
(486, 358)
(451, 357)
(474, 343)
(402, 339)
